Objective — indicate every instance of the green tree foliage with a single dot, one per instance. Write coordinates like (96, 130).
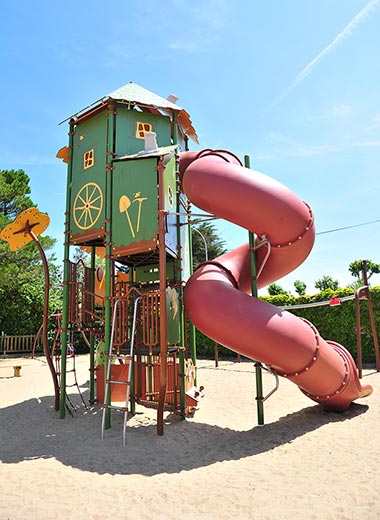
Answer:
(206, 232)
(275, 289)
(300, 287)
(327, 282)
(21, 272)
(356, 269)
(14, 191)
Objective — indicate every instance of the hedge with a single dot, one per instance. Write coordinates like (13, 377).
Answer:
(337, 323)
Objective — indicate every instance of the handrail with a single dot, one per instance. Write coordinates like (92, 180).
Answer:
(315, 304)
(107, 396)
(264, 241)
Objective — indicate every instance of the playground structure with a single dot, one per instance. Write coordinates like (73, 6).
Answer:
(129, 195)
(124, 204)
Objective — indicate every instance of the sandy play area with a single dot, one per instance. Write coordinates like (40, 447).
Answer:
(304, 463)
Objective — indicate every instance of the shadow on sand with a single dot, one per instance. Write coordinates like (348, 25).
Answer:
(32, 430)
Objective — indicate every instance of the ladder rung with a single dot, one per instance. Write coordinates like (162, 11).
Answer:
(116, 382)
(115, 407)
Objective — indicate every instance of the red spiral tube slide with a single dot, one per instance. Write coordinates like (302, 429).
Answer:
(217, 296)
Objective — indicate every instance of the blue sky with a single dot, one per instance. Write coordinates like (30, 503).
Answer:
(293, 83)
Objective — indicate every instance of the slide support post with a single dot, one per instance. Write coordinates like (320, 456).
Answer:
(254, 292)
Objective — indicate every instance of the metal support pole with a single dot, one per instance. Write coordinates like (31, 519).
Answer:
(193, 337)
(179, 278)
(66, 274)
(133, 379)
(92, 337)
(108, 240)
(363, 293)
(371, 316)
(46, 318)
(163, 356)
(254, 291)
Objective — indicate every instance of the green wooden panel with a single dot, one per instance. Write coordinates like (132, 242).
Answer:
(185, 242)
(88, 184)
(150, 273)
(170, 190)
(126, 124)
(134, 206)
(173, 312)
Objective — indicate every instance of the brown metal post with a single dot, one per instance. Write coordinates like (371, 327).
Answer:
(163, 356)
(364, 273)
(373, 328)
(46, 316)
(216, 353)
(363, 293)
(358, 331)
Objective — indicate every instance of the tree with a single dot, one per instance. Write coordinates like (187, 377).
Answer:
(21, 273)
(206, 243)
(14, 191)
(356, 269)
(326, 282)
(300, 287)
(274, 289)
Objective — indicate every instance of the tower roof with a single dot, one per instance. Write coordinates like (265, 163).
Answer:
(134, 94)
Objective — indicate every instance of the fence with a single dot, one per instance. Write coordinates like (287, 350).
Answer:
(16, 344)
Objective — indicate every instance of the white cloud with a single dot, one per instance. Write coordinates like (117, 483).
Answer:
(285, 147)
(192, 45)
(330, 47)
(366, 144)
(15, 161)
(375, 124)
(341, 111)
(204, 23)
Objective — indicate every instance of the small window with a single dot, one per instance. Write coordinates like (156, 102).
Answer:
(88, 159)
(141, 129)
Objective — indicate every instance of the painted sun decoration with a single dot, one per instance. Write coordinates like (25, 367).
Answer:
(141, 128)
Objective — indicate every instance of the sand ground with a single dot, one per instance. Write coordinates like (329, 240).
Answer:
(304, 463)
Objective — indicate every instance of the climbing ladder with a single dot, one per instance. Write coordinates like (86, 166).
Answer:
(70, 356)
(122, 358)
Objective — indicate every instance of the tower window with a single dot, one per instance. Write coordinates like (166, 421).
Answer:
(141, 129)
(88, 159)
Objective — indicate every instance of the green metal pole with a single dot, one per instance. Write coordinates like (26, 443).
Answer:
(133, 380)
(108, 241)
(179, 277)
(132, 391)
(92, 336)
(254, 291)
(193, 337)
(66, 273)
(163, 356)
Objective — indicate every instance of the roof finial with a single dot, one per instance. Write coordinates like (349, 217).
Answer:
(172, 98)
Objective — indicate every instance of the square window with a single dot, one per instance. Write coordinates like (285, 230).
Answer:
(141, 129)
(88, 159)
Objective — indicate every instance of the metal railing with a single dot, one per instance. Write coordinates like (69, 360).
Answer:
(16, 344)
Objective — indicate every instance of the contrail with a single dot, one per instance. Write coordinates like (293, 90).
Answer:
(336, 41)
